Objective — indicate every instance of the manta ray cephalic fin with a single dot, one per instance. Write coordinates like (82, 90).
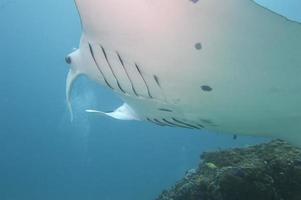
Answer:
(71, 77)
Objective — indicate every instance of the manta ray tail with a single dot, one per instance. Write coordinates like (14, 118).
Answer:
(124, 112)
(71, 77)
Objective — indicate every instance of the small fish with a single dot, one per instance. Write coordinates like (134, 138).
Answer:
(234, 137)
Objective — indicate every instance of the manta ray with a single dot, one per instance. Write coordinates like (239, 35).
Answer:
(228, 66)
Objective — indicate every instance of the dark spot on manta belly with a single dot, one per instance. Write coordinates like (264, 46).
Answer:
(165, 109)
(157, 80)
(206, 88)
(207, 121)
(194, 1)
(198, 46)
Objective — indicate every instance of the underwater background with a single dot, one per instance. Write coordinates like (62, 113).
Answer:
(45, 156)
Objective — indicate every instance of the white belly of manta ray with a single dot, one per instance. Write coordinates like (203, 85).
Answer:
(228, 66)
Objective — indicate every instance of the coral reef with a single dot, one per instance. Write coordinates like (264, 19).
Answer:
(269, 171)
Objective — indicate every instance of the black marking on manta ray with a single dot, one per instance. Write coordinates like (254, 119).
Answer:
(155, 122)
(110, 66)
(206, 88)
(161, 123)
(97, 66)
(194, 1)
(139, 71)
(207, 121)
(165, 109)
(157, 80)
(185, 123)
(200, 125)
(127, 74)
(80, 17)
(198, 46)
(174, 124)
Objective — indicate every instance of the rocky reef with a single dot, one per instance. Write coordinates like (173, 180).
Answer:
(270, 171)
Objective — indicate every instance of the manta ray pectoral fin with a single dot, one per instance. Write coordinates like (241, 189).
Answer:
(124, 112)
(71, 77)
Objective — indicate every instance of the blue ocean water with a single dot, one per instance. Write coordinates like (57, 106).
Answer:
(44, 156)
